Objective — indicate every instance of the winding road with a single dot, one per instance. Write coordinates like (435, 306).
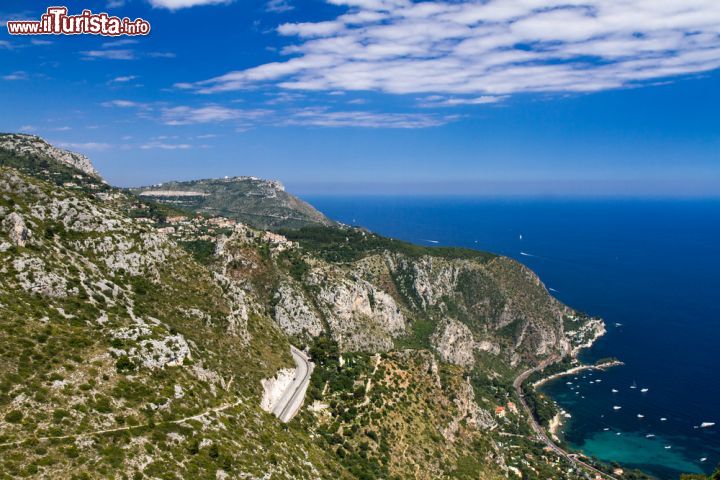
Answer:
(292, 398)
(572, 458)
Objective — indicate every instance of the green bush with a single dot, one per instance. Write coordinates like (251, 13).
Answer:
(14, 416)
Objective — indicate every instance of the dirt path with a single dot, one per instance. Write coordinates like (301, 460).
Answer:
(122, 429)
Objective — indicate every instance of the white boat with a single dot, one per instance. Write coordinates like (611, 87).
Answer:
(663, 419)
(616, 407)
(598, 381)
(618, 324)
(644, 390)
(667, 447)
(703, 459)
(633, 386)
(649, 435)
(640, 415)
(614, 390)
(568, 383)
(618, 433)
(707, 424)
(606, 429)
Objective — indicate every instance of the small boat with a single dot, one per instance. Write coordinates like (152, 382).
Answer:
(663, 419)
(618, 433)
(568, 383)
(616, 407)
(667, 447)
(606, 429)
(640, 415)
(614, 390)
(644, 390)
(703, 459)
(633, 386)
(707, 424)
(649, 435)
(598, 381)
(618, 324)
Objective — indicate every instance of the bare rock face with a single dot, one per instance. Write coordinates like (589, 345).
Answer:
(454, 342)
(468, 412)
(34, 145)
(360, 316)
(15, 227)
(294, 315)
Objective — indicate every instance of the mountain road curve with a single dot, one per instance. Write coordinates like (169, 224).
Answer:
(293, 397)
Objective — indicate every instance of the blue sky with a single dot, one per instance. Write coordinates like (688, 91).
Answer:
(495, 97)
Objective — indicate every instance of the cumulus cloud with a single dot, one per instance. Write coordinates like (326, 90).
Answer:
(492, 48)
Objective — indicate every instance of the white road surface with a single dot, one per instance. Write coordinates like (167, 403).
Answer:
(294, 396)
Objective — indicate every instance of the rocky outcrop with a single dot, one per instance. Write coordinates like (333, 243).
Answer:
(16, 230)
(454, 342)
(360, 315)
(32, 145)
(293, 314)
(468, 412)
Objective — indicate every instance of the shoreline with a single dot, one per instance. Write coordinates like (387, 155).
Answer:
(574, 370)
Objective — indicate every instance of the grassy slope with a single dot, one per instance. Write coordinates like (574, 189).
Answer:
(58, 376)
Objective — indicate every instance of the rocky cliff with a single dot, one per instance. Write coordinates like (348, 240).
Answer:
(26, 146)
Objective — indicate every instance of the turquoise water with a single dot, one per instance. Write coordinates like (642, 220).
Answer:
(651, 267)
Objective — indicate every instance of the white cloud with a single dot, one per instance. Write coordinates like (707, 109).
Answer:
(19, 75)
(161, 55)
(123, 79)
(165, 146)
(40, 42)
(321, 117)
(178, 4)
(27, 129)
(6, 45)
(278, 6)
(112, 54)
(119, 43)
(469, 49)
(184, 115)
(115, 4)
(94, 146)
(440, 101)
(124, 104)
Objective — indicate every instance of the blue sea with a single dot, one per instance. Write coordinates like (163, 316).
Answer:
(649, 268)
